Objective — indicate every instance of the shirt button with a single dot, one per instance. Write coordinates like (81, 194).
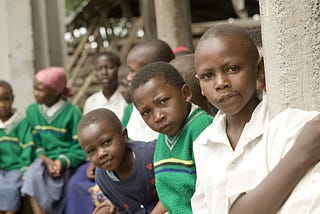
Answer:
(141, 206)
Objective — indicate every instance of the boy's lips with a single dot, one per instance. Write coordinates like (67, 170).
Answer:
(164, 127)
(224, 97)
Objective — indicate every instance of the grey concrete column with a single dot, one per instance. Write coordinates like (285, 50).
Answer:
(291, 42)
(174, 22)
(40, 34)
(149, 20)
(55, 11)
(16, 54)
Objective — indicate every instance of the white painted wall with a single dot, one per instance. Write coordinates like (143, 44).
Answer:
(16, 55)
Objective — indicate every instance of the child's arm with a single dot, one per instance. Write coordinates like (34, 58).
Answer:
(273, 191)
(159, 209)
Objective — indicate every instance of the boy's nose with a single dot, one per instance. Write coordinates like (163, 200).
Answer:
(221, 81)
(101, 152)
(158, 116)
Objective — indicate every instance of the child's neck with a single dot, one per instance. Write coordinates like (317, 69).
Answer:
(7, 117)
(127, 165)
(236, 123)
(109, 91)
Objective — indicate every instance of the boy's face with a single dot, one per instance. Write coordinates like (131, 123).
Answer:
(227, 73)
(43, 94)
(106, 71)
(124, 89)
(163, 106)
(6, 100)
(135, 63)
(104, 145)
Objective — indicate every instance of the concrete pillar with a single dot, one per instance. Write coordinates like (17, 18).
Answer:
(55, 11)
(149, 20)
(291, 42)
(40, 34)
(174, 22)
(16, 55)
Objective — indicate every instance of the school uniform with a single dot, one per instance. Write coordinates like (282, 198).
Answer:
(175, 170)
(54, 132)
(136, 194)
(224, 174)
(115, 103)
(16, 149)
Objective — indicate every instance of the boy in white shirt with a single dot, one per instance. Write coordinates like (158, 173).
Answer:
(238, 156)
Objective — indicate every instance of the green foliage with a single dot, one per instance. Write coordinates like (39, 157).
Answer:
(72, 5)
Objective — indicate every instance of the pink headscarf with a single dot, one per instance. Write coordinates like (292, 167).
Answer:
(55, 78)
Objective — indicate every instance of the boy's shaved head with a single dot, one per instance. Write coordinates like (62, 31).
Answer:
(152, 51)
(155, 70)
(98, 116)
(227, 30)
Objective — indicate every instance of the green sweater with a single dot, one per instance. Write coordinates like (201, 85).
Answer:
(56, 136)
(16, 145)
(175, 171)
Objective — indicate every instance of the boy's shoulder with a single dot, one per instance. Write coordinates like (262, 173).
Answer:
(199, 117)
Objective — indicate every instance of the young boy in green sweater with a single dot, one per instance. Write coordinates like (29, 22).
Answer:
(164, 101)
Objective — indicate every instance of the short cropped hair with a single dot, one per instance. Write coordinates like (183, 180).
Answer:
(114, 57)
(156, 70)
(227, 30)
(99, 115)
(153, 51)
(7, 85)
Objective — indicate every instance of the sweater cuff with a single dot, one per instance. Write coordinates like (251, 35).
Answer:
(64, 160)
(23, 170)
(40, 151)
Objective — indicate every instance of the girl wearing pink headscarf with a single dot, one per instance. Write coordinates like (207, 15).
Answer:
(54, 121)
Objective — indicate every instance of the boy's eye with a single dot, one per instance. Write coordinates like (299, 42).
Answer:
(90, 151)
(145, 113)
(164, 101)
(233, 69)
(206, 76)
(106, 142)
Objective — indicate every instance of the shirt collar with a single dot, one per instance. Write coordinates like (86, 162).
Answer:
(50, 111)
(216, 132)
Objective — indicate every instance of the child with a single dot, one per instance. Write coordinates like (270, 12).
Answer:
(54, 121)
(16, 149)
(106, 66)
(140, 55)
(124, 170)
(164, 102)
(185, 65)
(125, 92)
(238, 150)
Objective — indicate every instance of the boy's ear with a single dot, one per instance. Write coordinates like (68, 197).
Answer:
(198, 81)
(124, 134)
(186, 92)
(260, 72)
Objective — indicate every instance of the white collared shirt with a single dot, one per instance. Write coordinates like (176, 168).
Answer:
(138, 129)
(223, 173)
(115, 103)
(50, 111)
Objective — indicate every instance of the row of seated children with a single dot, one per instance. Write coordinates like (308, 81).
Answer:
(228, 68)
(163, 100)
(39, 151)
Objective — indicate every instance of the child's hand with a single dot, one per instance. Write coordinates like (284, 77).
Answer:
(50, 165)
(57, 169)
(105, 207)
(307, 144)
(91, 171)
